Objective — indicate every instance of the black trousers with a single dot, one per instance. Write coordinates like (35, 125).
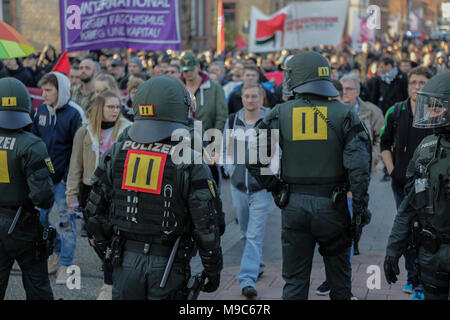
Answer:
(34, 273)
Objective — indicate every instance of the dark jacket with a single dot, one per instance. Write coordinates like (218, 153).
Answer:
(57, 127)
(123, 82)
(36, 75)
(384, 95)
(22, 74)
(401, 138)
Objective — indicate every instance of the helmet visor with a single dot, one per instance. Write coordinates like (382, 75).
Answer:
(432, 110)
(286, 74)
(285, 87)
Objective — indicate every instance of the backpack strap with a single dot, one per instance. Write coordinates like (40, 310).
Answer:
(396, 114)
(231, 119)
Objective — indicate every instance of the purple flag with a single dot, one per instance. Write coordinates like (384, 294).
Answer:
(137, 24)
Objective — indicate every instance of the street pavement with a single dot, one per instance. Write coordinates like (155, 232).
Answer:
(270, 285)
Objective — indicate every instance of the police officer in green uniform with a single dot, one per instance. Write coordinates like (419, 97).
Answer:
(25, 182)
(324, 154)
(425, 211)
(161, 209)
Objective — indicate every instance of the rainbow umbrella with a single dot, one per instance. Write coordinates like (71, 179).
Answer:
(12, 43)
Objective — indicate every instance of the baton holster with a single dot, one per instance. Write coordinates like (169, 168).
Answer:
(117, 250)
(44, 246)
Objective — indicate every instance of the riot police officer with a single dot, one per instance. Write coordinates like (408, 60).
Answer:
(25, 182)
(425, 211)
(161, 209)
(324, 148)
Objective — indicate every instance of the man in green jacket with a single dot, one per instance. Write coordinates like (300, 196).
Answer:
(211, 107)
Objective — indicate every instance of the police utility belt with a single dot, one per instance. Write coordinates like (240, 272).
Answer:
(431, 241)
(154, 248)
(314, 190)
(8, 211)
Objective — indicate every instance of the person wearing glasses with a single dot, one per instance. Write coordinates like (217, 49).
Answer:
(104, 82)
(373, 119)
(399, 139)
(104, 125)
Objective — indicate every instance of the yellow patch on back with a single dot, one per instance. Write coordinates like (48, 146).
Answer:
(308, 125)
(143, 171)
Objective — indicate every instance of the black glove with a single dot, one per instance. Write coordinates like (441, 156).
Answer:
(212, 264)
(391, 270)
(213, 282)
(366, 217)
(361, 217)
(281, 196)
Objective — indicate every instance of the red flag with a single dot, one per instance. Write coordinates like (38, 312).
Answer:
(220, 28)
(423, 37)
(266, 29)
(240, 42)
(276, 75)
(63, 64)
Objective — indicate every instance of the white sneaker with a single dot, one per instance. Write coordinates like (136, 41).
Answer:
(53, 263)
(62, 276)
(105, 292)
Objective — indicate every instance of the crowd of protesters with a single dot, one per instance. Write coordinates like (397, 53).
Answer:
(94, 103)
(380, 68)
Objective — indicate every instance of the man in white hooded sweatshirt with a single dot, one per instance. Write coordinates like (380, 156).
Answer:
(56, 122)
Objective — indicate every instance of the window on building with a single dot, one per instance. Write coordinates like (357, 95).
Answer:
(197, 18)
(229, 14)
(6, 11)
(193, 18)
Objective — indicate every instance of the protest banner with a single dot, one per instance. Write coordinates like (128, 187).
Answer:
(361, 33)
(298, 25)
(137, 24)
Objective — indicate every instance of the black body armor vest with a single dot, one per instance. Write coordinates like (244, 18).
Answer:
(147, 200)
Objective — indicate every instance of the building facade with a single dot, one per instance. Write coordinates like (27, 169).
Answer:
(39, 21)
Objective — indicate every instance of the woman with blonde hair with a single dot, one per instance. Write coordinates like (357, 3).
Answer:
(104, 125)
(104, 82)
(132, 86)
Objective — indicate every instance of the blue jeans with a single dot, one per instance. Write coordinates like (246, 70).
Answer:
(252, 211)
(66, 239)
(350, 209)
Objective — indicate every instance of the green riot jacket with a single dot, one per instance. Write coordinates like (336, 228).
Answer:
(25, 169)
(431, 208)
(345, 146)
